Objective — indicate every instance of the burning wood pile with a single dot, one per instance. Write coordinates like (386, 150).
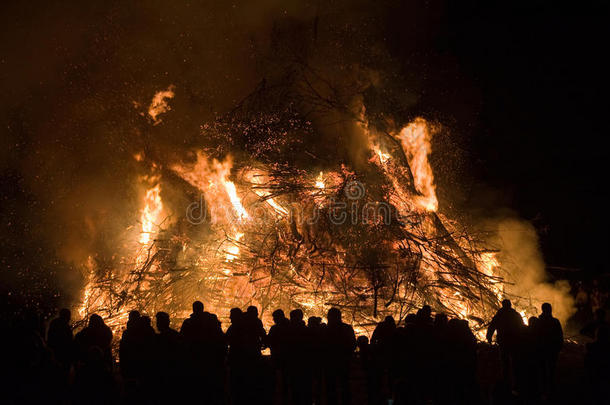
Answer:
(267, 221)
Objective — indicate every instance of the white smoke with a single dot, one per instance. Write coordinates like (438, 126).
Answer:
(523, 261)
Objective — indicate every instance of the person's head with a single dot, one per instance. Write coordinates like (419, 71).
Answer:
(506, 304)
(362, 342)
(426, 311)
(547, 309)
(334, 316)
(162, 321)
(235, 315)
(464, 325)
(532, 321)
(133, 315)
(389, 321)
(278, 316)
(252, 311)
(296, 315)
(600, 315)
(314, 321)
(145, 321)
(95, 321)
(197, 307)
(64, 314)
(410, 318)
(440, 319)
(453, 324)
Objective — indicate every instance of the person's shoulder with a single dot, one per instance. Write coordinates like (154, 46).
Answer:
(347, 327)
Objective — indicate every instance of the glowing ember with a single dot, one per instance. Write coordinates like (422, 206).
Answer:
(159, 104)
(383, 157)
(320, 181)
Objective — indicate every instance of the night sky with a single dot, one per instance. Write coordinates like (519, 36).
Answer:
(520, 87)
(541, 71)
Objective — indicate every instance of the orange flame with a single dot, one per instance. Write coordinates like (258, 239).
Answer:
(211, 177)
(159, 104)
(415, 139)
(151, 213)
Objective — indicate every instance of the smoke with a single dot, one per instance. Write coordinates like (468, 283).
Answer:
(521, 256)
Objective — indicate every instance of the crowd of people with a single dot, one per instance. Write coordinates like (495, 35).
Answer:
(421, 359)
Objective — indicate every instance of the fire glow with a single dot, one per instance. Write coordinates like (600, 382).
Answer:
(275, 240)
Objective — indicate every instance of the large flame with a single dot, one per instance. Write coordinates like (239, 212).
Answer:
(415, 138)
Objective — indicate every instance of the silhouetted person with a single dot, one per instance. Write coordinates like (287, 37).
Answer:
(597, 362)
(132, 318)
(255, 326)
(590, 329)
(340, 342)
(529, 361)
(299, 367)
(144, 355)
(60, 339)
(551, 342)
(461, 367)
(383, 346)
(96, 334)
(442, 359)
(277, 341)
(167, 358)
(205, 351)
(316, 331)
(128, 346)
(509, 326)
(239, 358)
(93, 382)
(405, 386)
(424, 316)
(382, 339)
(370, 369)
(384, 331)
(422, 353)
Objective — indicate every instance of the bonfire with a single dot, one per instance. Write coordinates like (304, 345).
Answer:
(265, 220)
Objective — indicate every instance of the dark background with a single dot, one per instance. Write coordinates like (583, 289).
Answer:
(520, 86)
(524, 84)
(542, 74)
